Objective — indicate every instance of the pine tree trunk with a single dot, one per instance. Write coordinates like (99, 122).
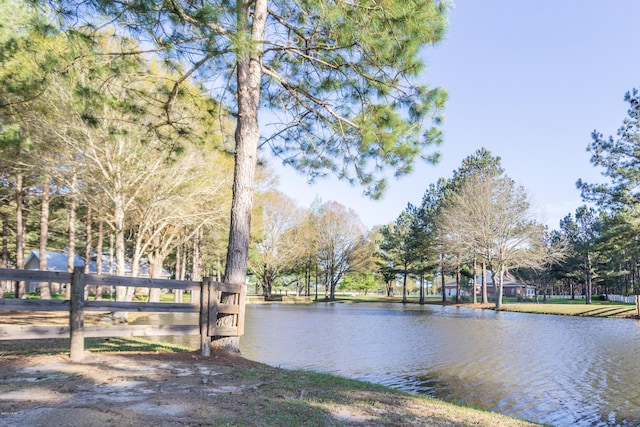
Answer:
(247, 135)
(177, 293)
(21, 291)
(88, 241)
(587, 284)
(71, 251)
(197, 259)
(87, 251)
(121, 291)
(634, 270)
(4, 260)
(99, 248)
(444, 291)
(45, 287)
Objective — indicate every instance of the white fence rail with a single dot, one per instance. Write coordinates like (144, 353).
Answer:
(631, 299)
(619, 298)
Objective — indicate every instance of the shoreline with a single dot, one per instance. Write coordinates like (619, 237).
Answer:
(184, 388)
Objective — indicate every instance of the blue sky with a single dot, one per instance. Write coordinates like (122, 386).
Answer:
(527, 80)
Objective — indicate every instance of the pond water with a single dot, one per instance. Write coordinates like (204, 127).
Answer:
(558, 370)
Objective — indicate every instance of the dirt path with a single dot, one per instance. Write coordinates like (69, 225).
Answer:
(123, 389)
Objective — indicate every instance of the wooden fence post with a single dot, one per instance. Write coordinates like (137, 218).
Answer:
(242, 302)
(76, 315)
(205, 305)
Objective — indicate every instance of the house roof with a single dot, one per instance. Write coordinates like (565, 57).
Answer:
(56, 261)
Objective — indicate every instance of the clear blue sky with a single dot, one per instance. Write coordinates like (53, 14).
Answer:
(527, 80)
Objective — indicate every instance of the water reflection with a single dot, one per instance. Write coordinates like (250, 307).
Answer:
(557, 370)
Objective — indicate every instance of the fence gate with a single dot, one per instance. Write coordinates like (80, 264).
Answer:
(221, 311)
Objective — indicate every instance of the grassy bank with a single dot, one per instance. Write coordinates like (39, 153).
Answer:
(565, 307)
(568, 309)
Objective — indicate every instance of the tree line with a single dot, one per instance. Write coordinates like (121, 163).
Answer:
(481, 219)
(87, 141)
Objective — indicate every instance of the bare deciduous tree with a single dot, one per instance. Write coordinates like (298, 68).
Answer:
(489, 217)
(340, 233)
(279, 240)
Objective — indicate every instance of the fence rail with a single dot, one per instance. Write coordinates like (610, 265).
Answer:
(630, 299)
(221, 309)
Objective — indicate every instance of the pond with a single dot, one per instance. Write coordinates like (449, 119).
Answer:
(558, 370)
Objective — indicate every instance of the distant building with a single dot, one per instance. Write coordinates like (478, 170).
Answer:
(510, 287)
(57, 261)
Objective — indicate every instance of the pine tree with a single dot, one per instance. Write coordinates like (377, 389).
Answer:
(338, 77)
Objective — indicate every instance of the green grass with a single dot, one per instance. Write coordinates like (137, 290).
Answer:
(559, 306)
(12, 348)
(35, 295)
(572, 309)
(378, 298)
(579, 300)
(376, 404)
(164, 297)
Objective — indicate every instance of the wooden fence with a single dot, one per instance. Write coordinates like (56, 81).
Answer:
(217, 318)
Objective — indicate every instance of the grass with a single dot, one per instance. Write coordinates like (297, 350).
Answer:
(306, 398)
(301, 398)
(54, 346)
(379, 298)
(164, 297)
(558, 306)
(35, 295)
(600, 309)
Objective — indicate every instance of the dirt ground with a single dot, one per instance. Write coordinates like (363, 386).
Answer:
(124, 389)
(118, 388)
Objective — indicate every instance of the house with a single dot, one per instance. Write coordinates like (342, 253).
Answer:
(57, 261)
(510, 287)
